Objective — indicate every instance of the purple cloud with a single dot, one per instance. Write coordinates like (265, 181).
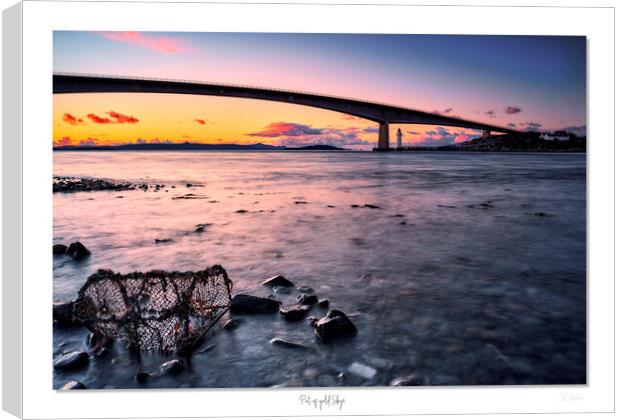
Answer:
(510, 109)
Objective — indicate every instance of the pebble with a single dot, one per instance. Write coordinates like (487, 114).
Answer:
(362, 370)
(72, 385)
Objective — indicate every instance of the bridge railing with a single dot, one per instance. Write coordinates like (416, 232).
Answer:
(199, 82)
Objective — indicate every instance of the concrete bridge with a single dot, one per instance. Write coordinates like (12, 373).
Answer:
(383, 114)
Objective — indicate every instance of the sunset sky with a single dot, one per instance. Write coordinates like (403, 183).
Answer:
(521, 82)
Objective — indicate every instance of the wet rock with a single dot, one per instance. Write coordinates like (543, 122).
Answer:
(415, 379)
(142, 377)
(397, 215)
(305, 299)
(333, 326)
(306, 289)
(371, 206)
(301, 202)
(71, 361)
(72, 385)
(163, 241)
(361, 370)
(77, 251)
(201, 227)
(312, 319)
(278, 281)
(281, 290)
(241, 211)
(403, 223)
(295, 312)
(242, 303)
(354, 206)
(276, 341)
(172, 367)
(324, 303)
(65, 184)
(59, 249)
(231, 324)
(62, 314)
(542, 214)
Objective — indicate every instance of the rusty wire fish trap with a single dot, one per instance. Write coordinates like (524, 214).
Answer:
(157, 310)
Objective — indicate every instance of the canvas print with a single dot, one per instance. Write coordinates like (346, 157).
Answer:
(252, 210)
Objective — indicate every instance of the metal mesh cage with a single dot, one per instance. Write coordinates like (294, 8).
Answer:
(157, 310)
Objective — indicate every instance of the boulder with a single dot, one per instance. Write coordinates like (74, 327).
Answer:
(278, 281)
(294, 312)
(77, 251)
(172, 367)
(62, 314)
(71, 361)
(306, 289)
(324, 303)
(59, 249)
(253, 305)
(333, 326)
(305, 299)
(73, 385)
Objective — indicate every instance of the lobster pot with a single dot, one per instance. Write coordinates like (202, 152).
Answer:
(157, 310)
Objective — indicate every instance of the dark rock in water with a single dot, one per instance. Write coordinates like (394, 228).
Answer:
(542, 214)
(354, 206)
(403, 223)
(278, 281)
(306, 289)
(295, 312)
(59, 249)
(324, 303)
(241, 211)
(410, 380)
(62, 314)
(72, 385)
(305, 299)
(312, 319)
(253, 305)
(172, 367)
(371, 206)
(202, 226)
(231, 324)
(71, 361)
(397, 215)
(301, 202)
(77, 251)
(287, 343)
(163, 241)
(142, 377)
(282, 290)
(333, 326)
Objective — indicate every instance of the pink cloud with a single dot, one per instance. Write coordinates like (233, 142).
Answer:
(162, 44)
(64, 141)
(200, 121)
(280, 129)
(123, 119)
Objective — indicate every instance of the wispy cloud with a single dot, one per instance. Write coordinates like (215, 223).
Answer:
(116, 118)
(72, 119)
(510, 109)
(490, 113)
(200, 121)
(530, 126)
(161, 44)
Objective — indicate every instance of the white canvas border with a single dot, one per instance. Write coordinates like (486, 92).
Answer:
(41, 18)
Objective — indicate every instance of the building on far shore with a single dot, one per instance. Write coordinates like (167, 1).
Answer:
(557, 135)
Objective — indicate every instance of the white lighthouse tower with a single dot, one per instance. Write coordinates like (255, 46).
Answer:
(399, 139)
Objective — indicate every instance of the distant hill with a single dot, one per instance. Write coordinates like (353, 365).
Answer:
(523, 142)
(516, 142)
(192, 146)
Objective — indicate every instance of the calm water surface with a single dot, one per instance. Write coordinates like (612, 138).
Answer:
(484, 283)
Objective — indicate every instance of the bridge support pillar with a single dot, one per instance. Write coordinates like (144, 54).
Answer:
(486, 134)
(384, 136)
